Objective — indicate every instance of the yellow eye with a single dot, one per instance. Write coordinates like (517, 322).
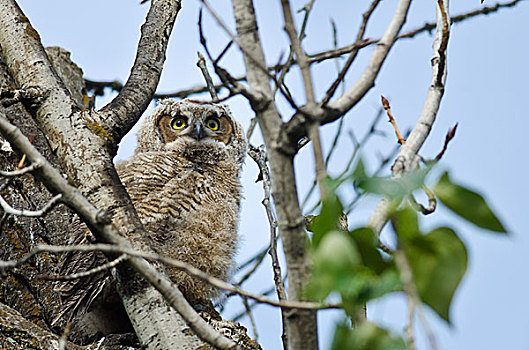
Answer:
(178, 123)
(213, 124)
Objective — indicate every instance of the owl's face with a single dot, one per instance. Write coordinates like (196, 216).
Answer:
(188, 125)
(199, 125)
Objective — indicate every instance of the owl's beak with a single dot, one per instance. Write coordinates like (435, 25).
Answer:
(197, 132)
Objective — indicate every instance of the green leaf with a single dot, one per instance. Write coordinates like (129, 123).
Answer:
(405, 222)
(363, 285)
(394, 188)
(438, 261)
(334, 261)
(367, 243)
(367, 336)
(328, 220)
(467, 204)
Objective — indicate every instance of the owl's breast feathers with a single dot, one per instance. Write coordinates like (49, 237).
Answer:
(170, 186)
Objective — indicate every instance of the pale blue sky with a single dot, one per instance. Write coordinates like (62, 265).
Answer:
(486, 93)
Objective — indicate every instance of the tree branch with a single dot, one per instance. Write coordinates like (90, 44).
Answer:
(296, 127)
(302, 330)
(126, 108)
(188, 268)
(104, 230)
(408, 159)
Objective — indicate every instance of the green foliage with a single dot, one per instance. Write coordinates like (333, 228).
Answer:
(331, 211)
(394, 188)
(467, 204)
(438, 260)
(367, 336)
(351, 264)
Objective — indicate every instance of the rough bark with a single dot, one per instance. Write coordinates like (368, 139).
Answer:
(21, 289)
(85, 150)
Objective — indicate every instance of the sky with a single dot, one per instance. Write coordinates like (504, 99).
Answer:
(485, 93)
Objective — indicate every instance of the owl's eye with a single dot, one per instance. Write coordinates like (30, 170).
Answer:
(178, 123)
(213, 123)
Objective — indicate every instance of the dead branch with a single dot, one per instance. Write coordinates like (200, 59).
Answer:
(259, 156)
(20, 172)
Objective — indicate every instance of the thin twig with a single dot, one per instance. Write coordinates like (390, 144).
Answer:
(359, 39)
(385, 104)
(201, 63)
(449, 136)
(250, 316)
(259, 259)
(107, 266)
(99, 86)
(228, 81)
(301, 57)
(22, 171)
(427, 27)
(284, 68)
(30, 213)
(183, 266)
(259, 156)
(254, 303)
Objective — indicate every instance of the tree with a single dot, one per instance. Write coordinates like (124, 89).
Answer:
(87, 149)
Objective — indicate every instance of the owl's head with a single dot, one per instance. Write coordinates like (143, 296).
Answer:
(188, 125)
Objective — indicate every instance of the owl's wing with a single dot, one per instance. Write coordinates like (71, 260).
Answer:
(146, 173)
(78, 294)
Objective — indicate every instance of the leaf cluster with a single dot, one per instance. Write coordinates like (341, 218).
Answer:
(351, 264)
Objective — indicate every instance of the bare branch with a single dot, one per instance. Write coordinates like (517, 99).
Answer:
(201, 63)
(366, 81)
(30, 213)
(190, 269)
(354, 52)
(250, 316)
(408, 158)
(427, 27)
(109, 265)
(301, 57)
(259, 156)
(126, 108)
(302, 329)
(98, 87)
(20, 172)
(334, 109)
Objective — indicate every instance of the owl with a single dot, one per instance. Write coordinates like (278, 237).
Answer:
(184, 183)
(183, 180)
